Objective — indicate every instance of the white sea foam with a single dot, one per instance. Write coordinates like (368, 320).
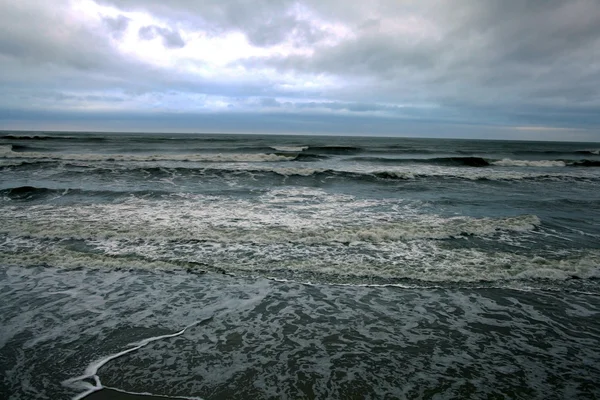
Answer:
(493, 173)
(91, 372)
(6, 152)
(98, 314)
(288, 231)
(220, 309)
(416, 260)
(324, 219)
(507, 162)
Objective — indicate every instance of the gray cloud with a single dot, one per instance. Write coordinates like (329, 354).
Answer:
(490, 62)
(117, 26)
(171, 38)
(39, 35)
(257, 19)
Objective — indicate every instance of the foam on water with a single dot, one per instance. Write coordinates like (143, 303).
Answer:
(6, 152)
(179, 336)
(507, 162)
(299, 232)
(324, 247)
(306, 218)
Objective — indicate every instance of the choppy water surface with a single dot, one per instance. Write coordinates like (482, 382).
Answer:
(298, 267)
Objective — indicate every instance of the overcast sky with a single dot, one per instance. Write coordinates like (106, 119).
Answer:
(525, 69)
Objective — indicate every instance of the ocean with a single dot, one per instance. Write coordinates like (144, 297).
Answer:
(297, 267)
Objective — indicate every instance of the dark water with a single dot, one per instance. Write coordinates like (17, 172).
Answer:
(221, 266)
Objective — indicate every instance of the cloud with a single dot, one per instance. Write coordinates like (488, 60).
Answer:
(171, 38)
(117, 25)
(37, 35)
(493, 63)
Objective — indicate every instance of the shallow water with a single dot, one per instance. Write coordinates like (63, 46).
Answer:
(266, 339)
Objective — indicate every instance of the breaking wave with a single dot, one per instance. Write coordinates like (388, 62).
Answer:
(7, 152)
(339, 150)
(479, 162)
(289, 148)
(260, 170)
(447, 161)
(507, 162)
(44, 137)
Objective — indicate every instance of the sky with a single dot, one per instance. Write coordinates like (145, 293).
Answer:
(526, 69)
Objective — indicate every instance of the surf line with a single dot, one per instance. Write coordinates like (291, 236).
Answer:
(91, 372)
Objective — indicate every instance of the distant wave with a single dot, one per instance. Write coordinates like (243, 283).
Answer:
(529, 163)
(558, 152)
(593, 151)
(7, 152)
(51, 137)
(339, 150)
(546, 163)
(26, 192)
(32, 193)
(447, 161)
(266, 172)
(303, 156)
(20, 164)
(585, 163)
(289, 148)
(478, 162)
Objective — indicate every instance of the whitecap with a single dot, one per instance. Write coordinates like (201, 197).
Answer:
(507, 162)
(296, 149)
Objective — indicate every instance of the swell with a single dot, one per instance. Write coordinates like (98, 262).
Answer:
(479, 162)
(558, 152)
(281, 172)
(446, 161)
(18, 152)
(52, 138)
(32, 193)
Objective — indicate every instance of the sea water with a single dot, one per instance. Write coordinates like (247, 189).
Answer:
(257, 266)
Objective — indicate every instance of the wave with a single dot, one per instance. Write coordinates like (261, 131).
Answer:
(26, 193)
(585, 163)
(447, 161)
(303, 156)
(289, 148)
(6, 149)
(51, 138)
(259, 170)
(33, 193)
(478, 162)
(507, 162)
(355, 262)
(12, 164)
(333, 149)
(209, 219)
(7, 152)
(557, 152)
(595, 152)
